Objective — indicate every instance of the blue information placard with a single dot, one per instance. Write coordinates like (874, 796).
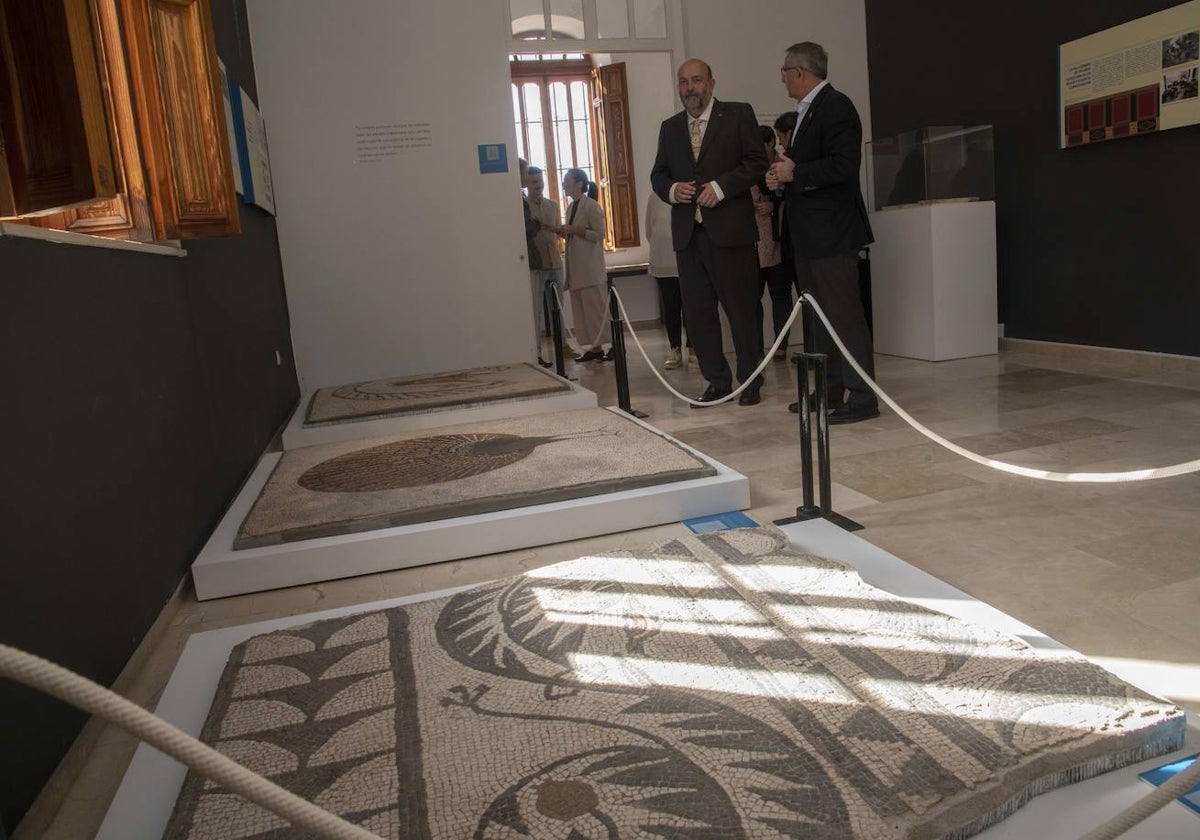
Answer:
(493, 157)
(720, 522)
(1159, 776)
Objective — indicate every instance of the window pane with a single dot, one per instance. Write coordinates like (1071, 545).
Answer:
(558, 101)
(533, 103)
(537, 147)
(581, 100)
(562, 145)
(528, 20)
(612, 18)
(583, 144)
(566, 20)
(650, 18)
(517, 121)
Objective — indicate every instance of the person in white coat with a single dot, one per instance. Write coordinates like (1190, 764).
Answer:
(664, 268)
(586, 275)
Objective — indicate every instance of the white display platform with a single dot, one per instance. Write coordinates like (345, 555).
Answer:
(143, 803)
(220, 571)
(296, 434)
(933, 281)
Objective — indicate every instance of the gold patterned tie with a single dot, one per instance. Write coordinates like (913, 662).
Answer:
(696, 152)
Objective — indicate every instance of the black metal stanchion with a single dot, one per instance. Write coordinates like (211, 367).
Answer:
(618, 354)
(550, 301)
(804, 363)
(824, 508)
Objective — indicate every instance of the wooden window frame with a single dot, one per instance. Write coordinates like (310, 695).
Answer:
(157, 101)
(617, 195)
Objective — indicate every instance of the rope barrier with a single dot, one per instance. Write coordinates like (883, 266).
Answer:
(737, 391)
(58, 682)
(1154, 801)
(1028, 472)
(603, 323)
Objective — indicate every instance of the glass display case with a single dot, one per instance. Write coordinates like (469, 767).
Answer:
(930, 165)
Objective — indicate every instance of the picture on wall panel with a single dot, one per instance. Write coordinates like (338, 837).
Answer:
(252, 154)
(1135, 78)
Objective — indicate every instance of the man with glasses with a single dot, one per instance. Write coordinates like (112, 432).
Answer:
(826, 219)
(709, 156)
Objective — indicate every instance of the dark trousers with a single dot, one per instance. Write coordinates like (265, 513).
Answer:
(672, 309)
(833, 281)
(777, 279)
(710, 274)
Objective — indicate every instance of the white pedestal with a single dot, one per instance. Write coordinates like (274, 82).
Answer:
(933, 281)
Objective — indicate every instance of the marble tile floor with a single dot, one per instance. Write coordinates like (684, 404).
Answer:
(1111, 570)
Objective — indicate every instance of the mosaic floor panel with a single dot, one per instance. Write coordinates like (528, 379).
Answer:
(462, 470)
(717, 686)
(398, 395)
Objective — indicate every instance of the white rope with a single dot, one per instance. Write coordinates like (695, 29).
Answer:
(1028, 472)
(733, 394)
(1179, 784)
(603, 323)
(59, 682)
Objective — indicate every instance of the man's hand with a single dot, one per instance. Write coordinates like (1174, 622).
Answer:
(782, 172)
(708, 196)
(685, 191)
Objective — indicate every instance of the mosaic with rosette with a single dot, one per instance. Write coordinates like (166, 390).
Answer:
(718, 687)
(398, 395)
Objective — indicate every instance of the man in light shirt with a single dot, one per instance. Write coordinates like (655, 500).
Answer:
(826, 219)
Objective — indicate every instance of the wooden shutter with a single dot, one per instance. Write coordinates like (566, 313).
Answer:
(181, 117)
(127, 214)
(618, 156)
(52, 118)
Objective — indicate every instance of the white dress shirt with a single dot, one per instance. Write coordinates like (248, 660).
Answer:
(703, 120)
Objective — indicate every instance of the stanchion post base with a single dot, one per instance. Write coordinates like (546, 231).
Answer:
(809, 514)
(641, 415)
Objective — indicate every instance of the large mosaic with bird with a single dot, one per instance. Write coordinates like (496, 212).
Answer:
(355, 486)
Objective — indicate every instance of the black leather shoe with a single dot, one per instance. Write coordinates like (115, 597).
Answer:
(591, 356)
(846, 414)
(750, 396)
(544, 363)
(812, 406)
(712, 394)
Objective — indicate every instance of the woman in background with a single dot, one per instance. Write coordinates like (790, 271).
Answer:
(772, 273)
(665, 270)
(586, 276)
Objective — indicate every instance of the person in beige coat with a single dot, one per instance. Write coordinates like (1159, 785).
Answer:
(586, 276)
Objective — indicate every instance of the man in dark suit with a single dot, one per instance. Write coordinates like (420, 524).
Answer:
(826, 218)
(709, 156)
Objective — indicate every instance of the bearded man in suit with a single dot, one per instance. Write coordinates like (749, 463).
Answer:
(826, 219)
(709, 156)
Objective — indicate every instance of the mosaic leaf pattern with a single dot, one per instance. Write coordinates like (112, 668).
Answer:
(712, 688)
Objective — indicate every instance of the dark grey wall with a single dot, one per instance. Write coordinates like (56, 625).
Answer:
(139, 392)
(1096, 245)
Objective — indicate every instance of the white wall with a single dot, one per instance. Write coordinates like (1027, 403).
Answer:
(745, 44)
(412, 265)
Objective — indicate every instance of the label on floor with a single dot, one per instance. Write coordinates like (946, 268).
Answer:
(1159, 776)
(720, 522)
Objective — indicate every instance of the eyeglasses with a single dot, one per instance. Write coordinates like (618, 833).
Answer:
(783, 70)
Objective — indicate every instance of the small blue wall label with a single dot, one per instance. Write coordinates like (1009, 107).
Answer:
(493, 157)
